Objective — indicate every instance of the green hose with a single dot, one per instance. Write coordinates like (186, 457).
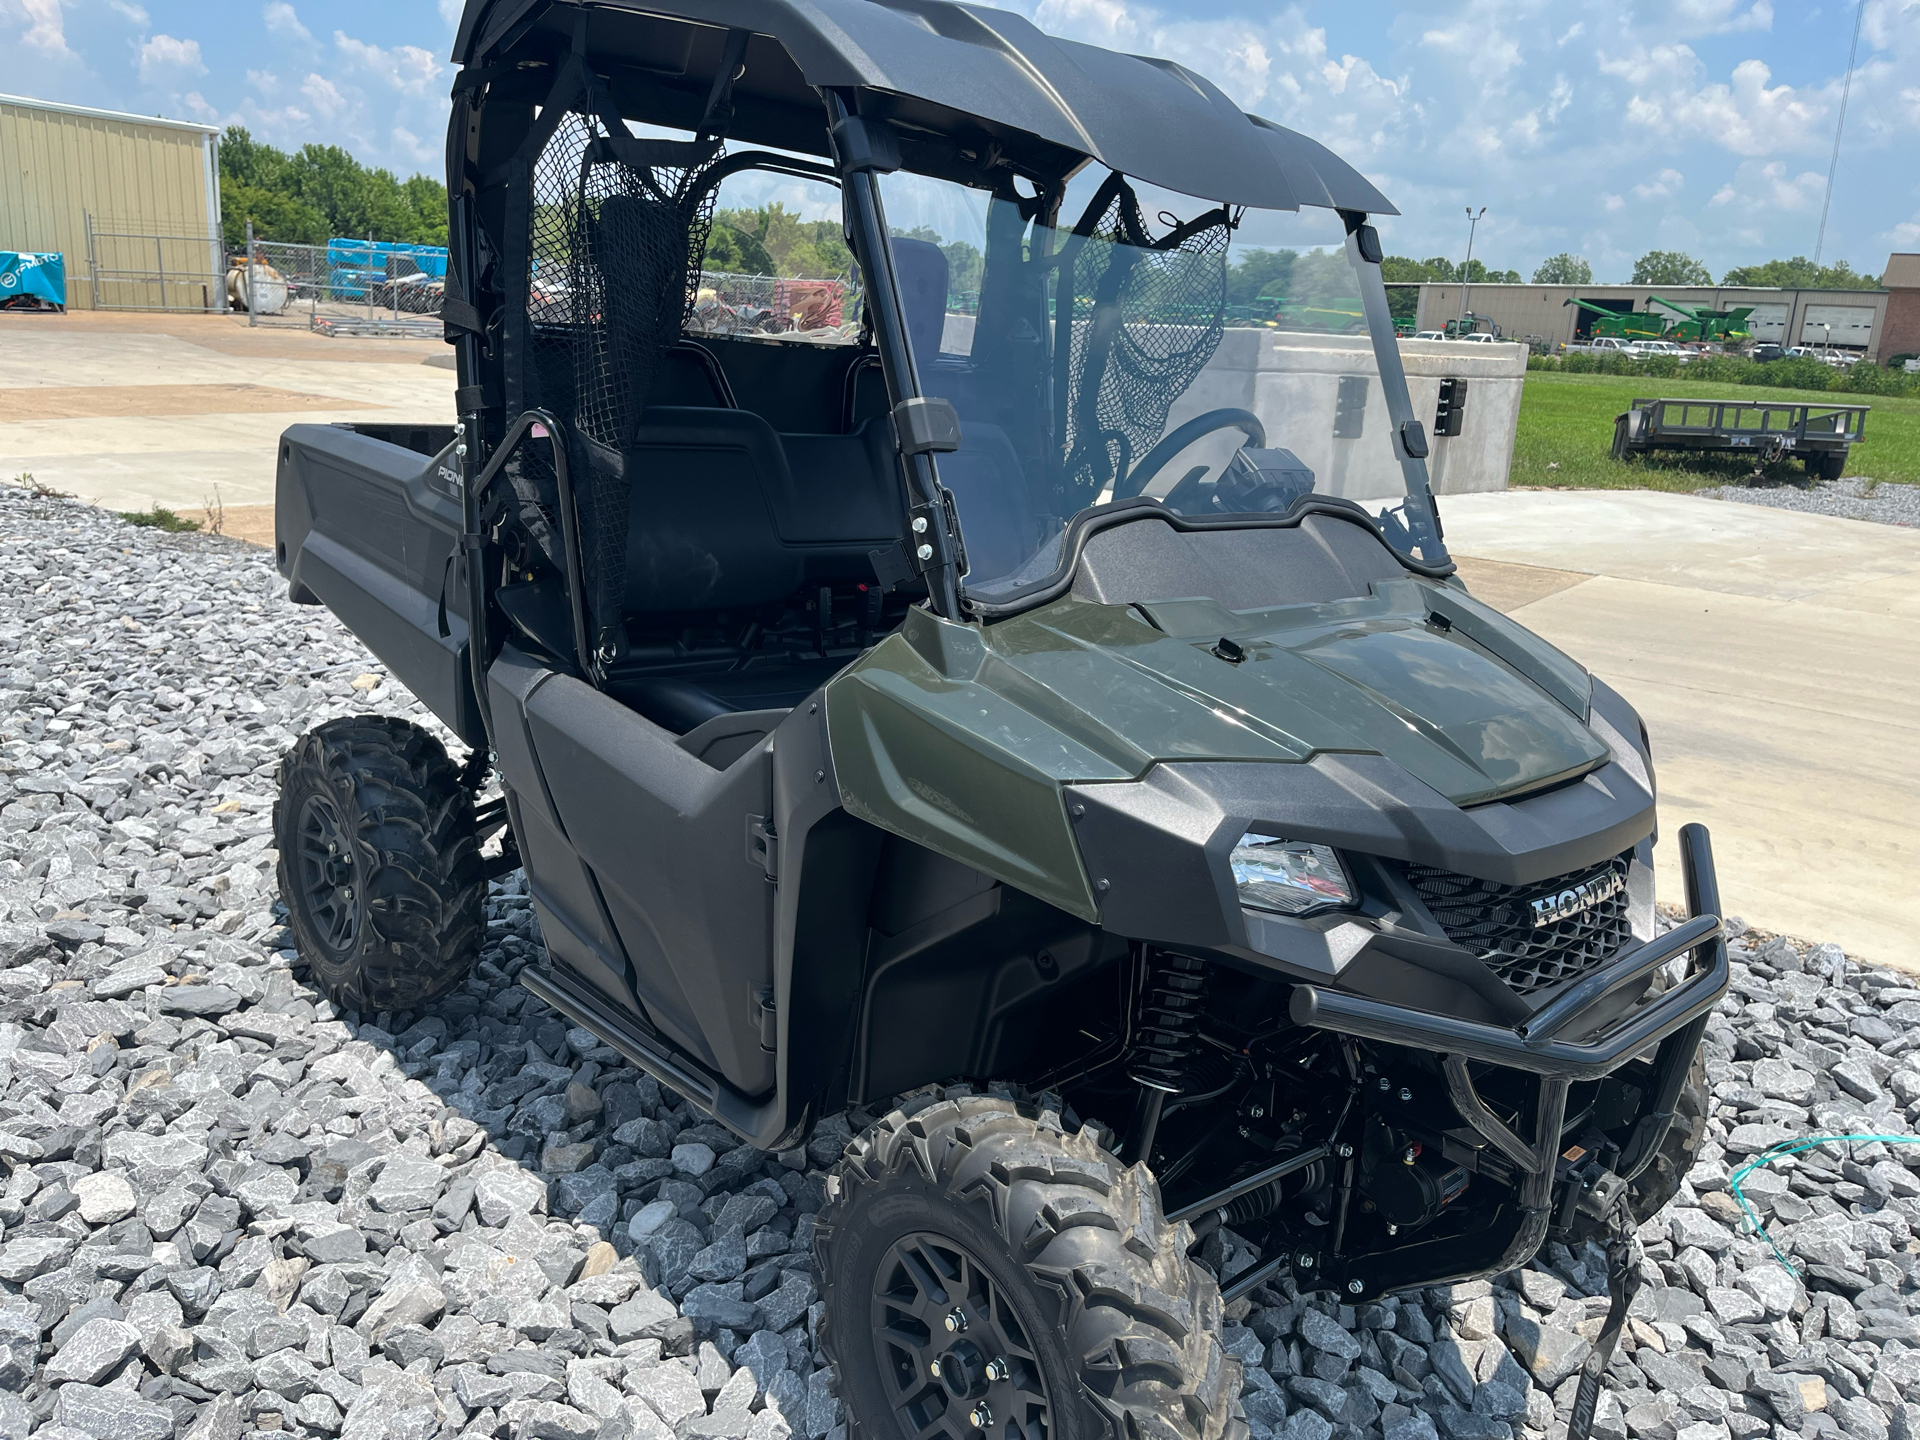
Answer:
(1794, 1147)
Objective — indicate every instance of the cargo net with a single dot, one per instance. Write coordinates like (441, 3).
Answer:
(613, 273)
(1146, 318)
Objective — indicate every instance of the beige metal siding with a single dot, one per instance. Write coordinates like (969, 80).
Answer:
(57, 167)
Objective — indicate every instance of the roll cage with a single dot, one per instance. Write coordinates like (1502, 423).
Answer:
(941, 90)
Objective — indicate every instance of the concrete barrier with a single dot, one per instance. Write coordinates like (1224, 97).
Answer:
(1291, 380)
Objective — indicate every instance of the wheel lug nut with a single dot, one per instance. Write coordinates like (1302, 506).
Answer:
(956, 1321)
(1354, 1287)
(996, 1369)
(980, 1416)
(933, 1368)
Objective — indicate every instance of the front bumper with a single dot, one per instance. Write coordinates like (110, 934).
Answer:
(1538, 1044)
(1568, 1040)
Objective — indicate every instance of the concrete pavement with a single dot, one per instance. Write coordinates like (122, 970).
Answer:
(131, 411)
(1776, 659)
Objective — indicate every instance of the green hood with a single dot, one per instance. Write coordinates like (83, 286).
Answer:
(947, 731)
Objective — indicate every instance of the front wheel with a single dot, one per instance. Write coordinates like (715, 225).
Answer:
(380, 867)
(987, 1274)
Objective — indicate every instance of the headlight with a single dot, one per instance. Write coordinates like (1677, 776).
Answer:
(1290, 877)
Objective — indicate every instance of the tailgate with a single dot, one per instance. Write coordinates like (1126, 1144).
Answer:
(370, 529)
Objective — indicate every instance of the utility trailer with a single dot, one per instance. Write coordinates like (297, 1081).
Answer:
(1820, 434)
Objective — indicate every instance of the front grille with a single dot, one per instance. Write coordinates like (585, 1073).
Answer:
(1496, 922)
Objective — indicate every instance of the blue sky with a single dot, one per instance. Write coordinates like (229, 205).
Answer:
(1604, 127)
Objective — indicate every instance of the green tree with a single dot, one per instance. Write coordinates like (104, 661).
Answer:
(1800, 273)
(1563, 269)
(1260, 272)
(1670, 267)
(275, 216)
(773, 240)
(322, 192)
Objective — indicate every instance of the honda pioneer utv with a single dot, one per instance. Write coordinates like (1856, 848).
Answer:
(933, 661)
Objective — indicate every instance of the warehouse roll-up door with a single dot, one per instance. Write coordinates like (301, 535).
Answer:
(1850, 325)
(1768, 322)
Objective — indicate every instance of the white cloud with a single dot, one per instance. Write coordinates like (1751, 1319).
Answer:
(450, 13)
(44, 22)
(421, 153)
(324, 96)
(164, 59)
(1907, 232)
(1613, 202)
(407, 68)
(283, 22)
(1719, 17)
(1769, 187)
(1748, 117)
(127, 10)
(1666, 183)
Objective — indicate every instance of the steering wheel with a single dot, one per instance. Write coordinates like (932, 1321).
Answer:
(1183, 435)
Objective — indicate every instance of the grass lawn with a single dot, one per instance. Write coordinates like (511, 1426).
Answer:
(1567, 421)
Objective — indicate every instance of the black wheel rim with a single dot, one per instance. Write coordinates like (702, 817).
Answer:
(327, 881)
(954, 1358)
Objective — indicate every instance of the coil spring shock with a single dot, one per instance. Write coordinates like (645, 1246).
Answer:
(1176, 993)
(1164, 1047)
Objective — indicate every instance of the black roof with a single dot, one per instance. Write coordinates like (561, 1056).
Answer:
(933, 60)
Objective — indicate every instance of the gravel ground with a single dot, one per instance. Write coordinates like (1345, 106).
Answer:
(231, 1211)
(1852, 498)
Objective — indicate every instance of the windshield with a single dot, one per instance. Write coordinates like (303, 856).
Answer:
(1141, 345)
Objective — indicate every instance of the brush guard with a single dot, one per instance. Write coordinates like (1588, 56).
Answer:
(1673, 1021)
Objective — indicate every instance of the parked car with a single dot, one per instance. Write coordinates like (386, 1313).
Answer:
(1645, 349)
(1480, 337)
(1766, 350)
(1601, 345)
(1430, 335)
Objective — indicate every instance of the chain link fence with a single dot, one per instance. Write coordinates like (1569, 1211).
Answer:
(134, 267)
(345, 287)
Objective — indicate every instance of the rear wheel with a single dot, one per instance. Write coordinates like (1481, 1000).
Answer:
(1620, 437)
(1828, 465)
(380, 868)
(987, 1274)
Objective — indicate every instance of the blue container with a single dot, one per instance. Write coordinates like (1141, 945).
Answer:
(360, 269)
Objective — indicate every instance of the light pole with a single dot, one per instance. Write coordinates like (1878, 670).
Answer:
(1473, 223)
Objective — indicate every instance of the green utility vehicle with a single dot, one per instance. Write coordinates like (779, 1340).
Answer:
(1055, 726)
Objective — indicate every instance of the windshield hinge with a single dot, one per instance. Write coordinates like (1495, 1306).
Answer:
(926, 425)
(763, 847)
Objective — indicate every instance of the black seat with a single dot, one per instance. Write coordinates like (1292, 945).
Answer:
(725, 515)
(680, 702)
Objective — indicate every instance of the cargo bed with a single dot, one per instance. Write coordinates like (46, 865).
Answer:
(367, 522)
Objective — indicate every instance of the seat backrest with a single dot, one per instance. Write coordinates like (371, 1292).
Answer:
(690, 375)
(997, 519)
(726, 514)
(700, 528)
(920, 273)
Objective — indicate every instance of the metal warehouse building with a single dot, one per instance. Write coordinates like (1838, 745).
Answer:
(132, 202)
(1853, 319)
